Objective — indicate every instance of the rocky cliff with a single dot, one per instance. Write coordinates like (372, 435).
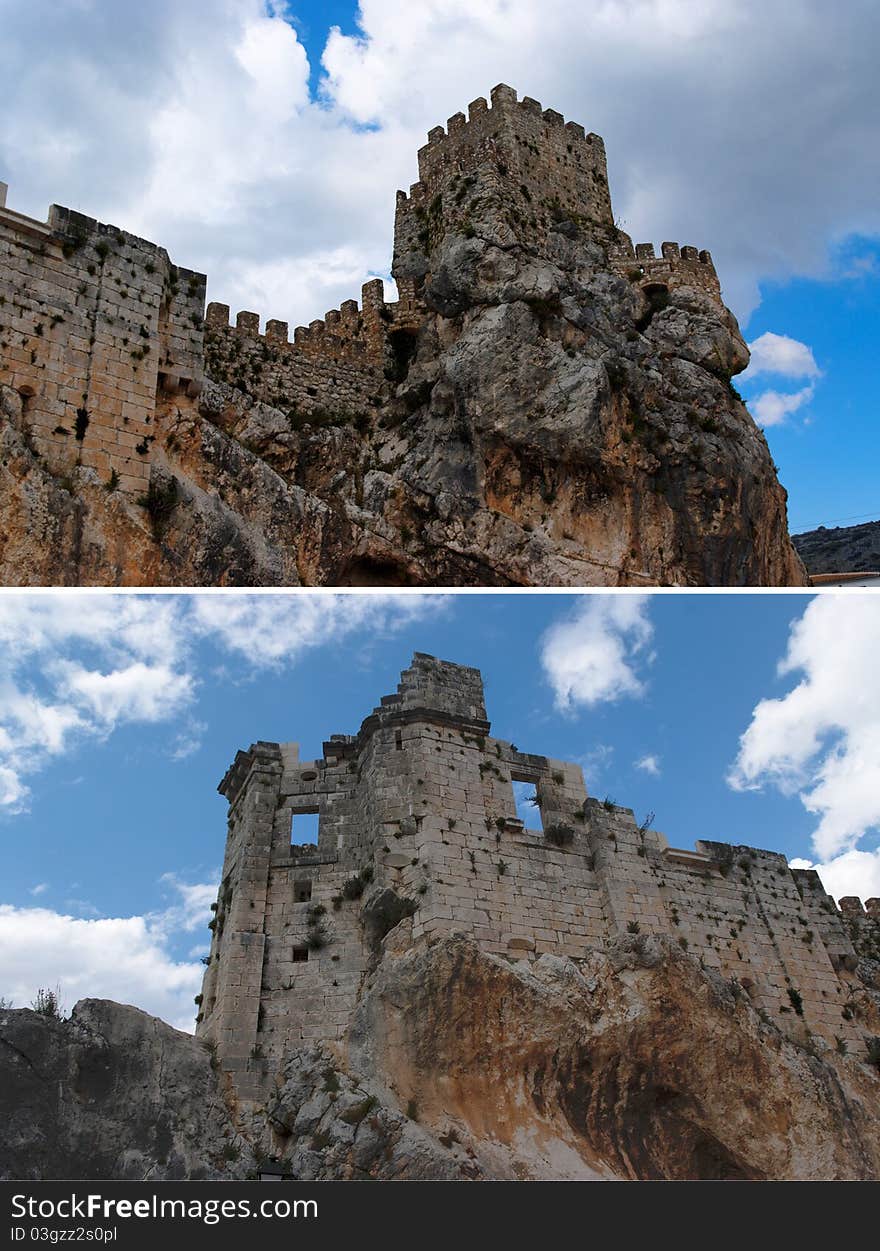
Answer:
(840, 549)
(545, 405)
(635, 1063)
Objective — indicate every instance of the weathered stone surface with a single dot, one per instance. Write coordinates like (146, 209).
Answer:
(636, 1063)
(351, 1129)
(417, 839)
(110, 1093)
(840, 549)
(544, 404)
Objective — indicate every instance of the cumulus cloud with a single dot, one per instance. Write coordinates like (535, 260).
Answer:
(192, 124)
(129, 959)
(119, 958)
(779, 354)
(77, 667)
(786, 358)
(771, 408)
(272, 630)
(649, 764)
(853, 873)
(594, 654)
(821, 740)
(138, 692)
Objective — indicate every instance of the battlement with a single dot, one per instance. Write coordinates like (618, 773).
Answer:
(337, 364)
(487, 130)
(98, 329)
(675, 267)
(418, 831)
(517, 166)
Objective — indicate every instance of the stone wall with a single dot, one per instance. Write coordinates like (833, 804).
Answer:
(674, 267)
(93, 323)
(515, 166)
(418, 818)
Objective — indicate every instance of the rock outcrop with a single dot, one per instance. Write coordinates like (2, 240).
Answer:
(544, 405)
(840, 549)
(634, 1063)
(110, 1093)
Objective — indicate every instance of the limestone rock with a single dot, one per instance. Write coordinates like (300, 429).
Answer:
(841, 549)
(632, 1063)
(110, 1093)
(637, 1064)
(544, 404)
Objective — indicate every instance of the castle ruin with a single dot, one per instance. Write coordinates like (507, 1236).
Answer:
(419, 837)
(100, 333)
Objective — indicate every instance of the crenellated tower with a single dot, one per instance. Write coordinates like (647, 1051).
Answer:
(514, 168)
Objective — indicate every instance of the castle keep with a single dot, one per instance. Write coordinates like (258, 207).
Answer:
(100, 334)
(419, 837)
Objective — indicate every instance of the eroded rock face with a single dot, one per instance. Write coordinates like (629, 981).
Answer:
(547, 422)
(634, 1063)
(841, 549)
(111, 1093)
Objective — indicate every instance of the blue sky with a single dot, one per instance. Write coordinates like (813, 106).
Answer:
(826, 454)
(263, 147)
(116, 815)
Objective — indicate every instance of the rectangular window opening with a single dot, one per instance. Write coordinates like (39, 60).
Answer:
(304, 828)
(302, 892)
(528, 809)
(300, 954)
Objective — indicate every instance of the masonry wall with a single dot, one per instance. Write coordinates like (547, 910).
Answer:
(417, 815)
(93, 322)
(515, 167)
(333, 368)
(675, 266)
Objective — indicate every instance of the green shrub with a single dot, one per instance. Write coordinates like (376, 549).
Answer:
(559, 835)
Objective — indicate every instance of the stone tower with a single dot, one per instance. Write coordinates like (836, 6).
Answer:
(418, 835)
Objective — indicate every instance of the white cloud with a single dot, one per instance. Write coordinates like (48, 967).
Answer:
(853, 873)
(771, 408)
(73, 667)
(649, 764)
(821, 741)
(191, 907)
(39, 889)
(593, 655)
(270, 630)
(121, 958)
(778, 354)
(188, 740)
(139, 692)
(595, 763)
(191, 124)
(128, 959)
(13, 792)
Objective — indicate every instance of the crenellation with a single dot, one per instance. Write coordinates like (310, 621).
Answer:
(676, 266)
(417, 821)
(98, 328)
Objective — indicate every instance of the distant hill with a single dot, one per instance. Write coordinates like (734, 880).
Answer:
(840, 549)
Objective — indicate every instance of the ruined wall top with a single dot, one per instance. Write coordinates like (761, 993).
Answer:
(438, 686)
